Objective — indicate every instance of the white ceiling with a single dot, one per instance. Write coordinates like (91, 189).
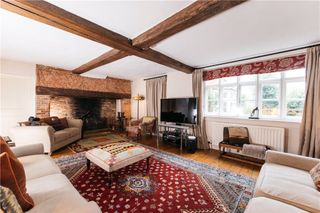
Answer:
(251, 28)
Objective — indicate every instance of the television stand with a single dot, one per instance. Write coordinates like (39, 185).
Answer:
(182, 129)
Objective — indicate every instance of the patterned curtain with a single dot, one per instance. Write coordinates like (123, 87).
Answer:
(277, 65)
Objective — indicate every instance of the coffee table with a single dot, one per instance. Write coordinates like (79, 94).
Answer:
(114, 156)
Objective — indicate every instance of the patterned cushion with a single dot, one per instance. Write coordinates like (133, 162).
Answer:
(8, 201)
(118, 155)
(147, 119)
(315, 175)
(54, 122)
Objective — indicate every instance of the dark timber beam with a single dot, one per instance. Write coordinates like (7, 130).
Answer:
(50, 14)
(108, 57)
(193, 14)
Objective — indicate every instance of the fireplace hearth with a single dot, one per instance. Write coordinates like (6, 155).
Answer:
(89, 110)
(96, 113)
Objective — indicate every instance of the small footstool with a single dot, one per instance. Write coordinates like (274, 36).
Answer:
(114, 156)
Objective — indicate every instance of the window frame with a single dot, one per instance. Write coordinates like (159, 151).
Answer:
(258, 82)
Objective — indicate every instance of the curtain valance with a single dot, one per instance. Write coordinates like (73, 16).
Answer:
(276, 65)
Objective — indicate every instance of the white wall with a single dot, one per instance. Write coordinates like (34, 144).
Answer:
(17, 93)
(180, 85)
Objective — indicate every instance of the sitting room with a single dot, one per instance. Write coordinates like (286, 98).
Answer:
(160, 106)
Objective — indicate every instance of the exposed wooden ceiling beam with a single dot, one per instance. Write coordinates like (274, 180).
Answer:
(50, 14)
(193, 14)
(103, 59)
(187, 17)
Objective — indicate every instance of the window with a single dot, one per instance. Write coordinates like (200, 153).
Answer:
(278, 95)
(228, 100)
(247, 99)
(270, 99)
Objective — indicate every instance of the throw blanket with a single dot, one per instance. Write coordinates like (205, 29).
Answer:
(256, 151)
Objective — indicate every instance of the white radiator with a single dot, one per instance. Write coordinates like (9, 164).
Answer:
(270, 136)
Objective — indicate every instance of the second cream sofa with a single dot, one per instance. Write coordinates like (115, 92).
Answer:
(285, 185)
(46, 135)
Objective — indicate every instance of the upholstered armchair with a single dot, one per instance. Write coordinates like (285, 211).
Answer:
(147, 124)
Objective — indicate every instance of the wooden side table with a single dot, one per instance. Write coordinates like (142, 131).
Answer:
(224, 146)
(225, 151)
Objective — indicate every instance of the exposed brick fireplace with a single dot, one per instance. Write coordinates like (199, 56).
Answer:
(63, 94)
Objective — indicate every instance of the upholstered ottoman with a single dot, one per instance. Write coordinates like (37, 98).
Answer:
(114, 156)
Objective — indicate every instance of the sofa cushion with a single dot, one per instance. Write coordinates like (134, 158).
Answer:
(54, 122)
(64, 122)
(13, 177)
(61, 135)
(44, 188)
(148, 119)
(315, 175)
(72, 131)
(36, 166)
(289, 185)
(266, 205)
(60, 203)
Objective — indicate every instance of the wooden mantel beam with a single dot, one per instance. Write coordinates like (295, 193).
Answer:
(50, 14)
(193, 14)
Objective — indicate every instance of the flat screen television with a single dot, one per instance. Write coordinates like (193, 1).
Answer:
(179, 110)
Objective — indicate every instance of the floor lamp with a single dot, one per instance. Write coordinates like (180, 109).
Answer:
(138, 98)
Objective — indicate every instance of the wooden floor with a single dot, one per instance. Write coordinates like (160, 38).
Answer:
(210, 157)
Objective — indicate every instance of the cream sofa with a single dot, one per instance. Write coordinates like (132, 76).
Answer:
(51, 139)
(285, 185)
(50, 190)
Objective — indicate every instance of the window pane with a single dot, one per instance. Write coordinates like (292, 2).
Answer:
(295, 73)
(229, 100)
(270, 91)
(213, 99)
(247, 99)
(229, 80)
(269, 76)
(247, 78)
(295, 93)
(212, 82)
(270, 99)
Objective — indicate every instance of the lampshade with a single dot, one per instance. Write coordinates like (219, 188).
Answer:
(138, 97)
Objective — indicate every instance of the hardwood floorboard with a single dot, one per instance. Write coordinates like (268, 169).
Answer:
(210, 157)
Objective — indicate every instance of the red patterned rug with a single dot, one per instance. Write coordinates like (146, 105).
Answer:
(172, 184)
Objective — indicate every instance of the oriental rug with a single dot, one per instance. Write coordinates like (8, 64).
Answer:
(94, 139)
(172, 184)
